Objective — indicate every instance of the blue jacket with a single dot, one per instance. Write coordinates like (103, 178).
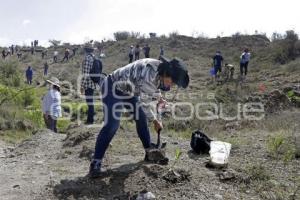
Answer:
(29, 73)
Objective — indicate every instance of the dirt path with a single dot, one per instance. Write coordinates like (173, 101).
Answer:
(31, 166)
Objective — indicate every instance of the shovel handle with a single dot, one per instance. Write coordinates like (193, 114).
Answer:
(158, 138)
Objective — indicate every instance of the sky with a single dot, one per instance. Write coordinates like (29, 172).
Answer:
(76, 21)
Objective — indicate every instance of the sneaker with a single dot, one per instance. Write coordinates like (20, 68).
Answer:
(146, 159)
(95, 169)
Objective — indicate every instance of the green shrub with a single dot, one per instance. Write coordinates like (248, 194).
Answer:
(8, 95)
(9, 73)
(36, 116)
(173, 34)
(280, 147)
(13, 136)
(293, 66)
(62, 125)
(28, 97)
(286, 49)
(258, 172)
(121, 35)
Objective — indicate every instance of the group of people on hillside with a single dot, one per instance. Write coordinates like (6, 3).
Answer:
(11, 50)
(134, 52)
(67, 54)
(29, 73)
(218, 63)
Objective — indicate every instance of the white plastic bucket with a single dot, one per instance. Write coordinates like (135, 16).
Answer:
(219, 153)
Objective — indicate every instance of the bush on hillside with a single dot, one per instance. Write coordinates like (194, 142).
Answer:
(173, 34)
(55, 43)
(135, 35)
(286, 49)
(121, 35)
(10, 74)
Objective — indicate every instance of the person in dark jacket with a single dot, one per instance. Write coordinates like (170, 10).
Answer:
(29, 75)
(67, 54)
(217, 63)
(46, 67)
(146, 51)
(244, 60)
(137, 52)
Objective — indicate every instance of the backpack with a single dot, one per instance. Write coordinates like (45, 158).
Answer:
(96, 71)
(200, 143)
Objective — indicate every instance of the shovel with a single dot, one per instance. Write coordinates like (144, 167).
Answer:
(158, 152)
(160, 145)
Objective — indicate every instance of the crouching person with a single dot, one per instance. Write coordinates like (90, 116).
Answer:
(127, 87)
(52, 104)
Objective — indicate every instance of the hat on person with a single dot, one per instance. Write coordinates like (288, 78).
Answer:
(54, 81)
(179, 72)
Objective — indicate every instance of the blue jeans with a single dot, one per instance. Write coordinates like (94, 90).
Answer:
(50, 123)
(89, 95)
(112, 109)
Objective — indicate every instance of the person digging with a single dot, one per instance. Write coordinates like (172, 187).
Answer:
(134, 87)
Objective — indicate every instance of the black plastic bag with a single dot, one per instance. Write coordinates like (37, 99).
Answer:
(200, 143)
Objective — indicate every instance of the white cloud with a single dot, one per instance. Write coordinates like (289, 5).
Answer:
(26, 22)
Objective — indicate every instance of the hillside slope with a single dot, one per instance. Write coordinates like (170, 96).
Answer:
(264, 162)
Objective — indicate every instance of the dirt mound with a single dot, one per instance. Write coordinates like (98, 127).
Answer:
(77, 135)
(86, 152)
(176, 176)
(274, 102)
(277, 101)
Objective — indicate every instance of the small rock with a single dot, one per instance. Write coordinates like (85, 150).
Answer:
(16, 186)
(146, 196)
(218, 196)
(40, 162)
(227, 175)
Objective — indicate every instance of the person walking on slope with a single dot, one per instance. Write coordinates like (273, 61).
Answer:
(3, 54)
(55, 56)
(67, 54)
(137, 52)
(46, 67)
(51, 104)
(134, 86)
(87, 85)
(217, 63)
(130, 54)
(146, 51)
(244, 61)
(12, 49)
(161, 51)
(44, 53)
(29, 75)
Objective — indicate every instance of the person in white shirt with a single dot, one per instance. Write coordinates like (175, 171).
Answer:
(55, 55)
(51, 105)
